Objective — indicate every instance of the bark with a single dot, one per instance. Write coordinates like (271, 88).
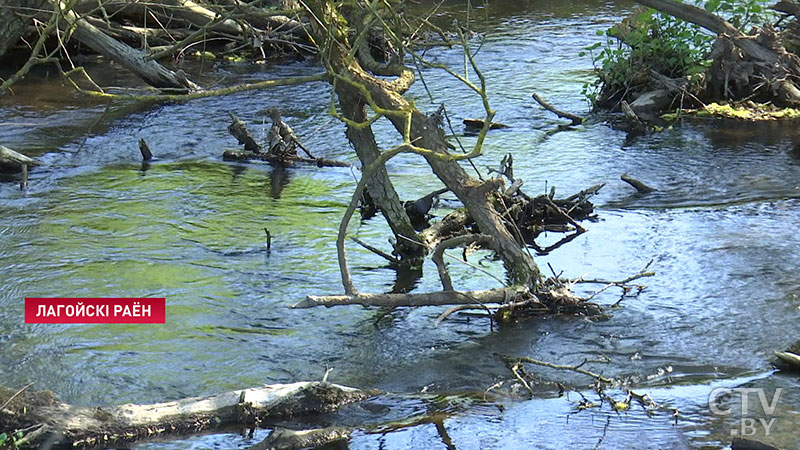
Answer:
(380, 186)
(15, 17)
(75, 426)
(449, 226)
(134, 60)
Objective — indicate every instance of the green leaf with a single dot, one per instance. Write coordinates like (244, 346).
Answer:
(3, 438)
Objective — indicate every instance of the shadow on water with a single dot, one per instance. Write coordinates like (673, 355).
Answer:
(189, 227)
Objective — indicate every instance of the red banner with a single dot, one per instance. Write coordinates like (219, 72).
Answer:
(95, 310)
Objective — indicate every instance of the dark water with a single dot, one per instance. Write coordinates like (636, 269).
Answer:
(721, 231)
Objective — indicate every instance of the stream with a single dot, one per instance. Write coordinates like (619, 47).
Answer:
(721, 231)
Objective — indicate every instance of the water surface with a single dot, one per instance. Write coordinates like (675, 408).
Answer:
(720, 231)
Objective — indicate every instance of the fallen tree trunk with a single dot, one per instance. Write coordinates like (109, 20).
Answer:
(73, 426)
(380, 186)
(134, 60)
(139, 36)
(424, 299)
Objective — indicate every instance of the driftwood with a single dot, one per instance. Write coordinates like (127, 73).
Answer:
(253, 151)
(576, 120)
(11, 161)
(477, 124)
(789, 359)
(14, 160)
(424, 299)
(638, 185)
(66, 425)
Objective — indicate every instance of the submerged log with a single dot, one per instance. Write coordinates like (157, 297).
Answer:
(283, 439)
(253, 151)
(638, 185)
(477, 124)
(75, 426)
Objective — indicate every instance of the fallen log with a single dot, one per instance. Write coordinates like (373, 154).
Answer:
(139, 36)
(244, 156)
(638, 185)
(14, 160)
(477, 124)
(424, 299)
(74, 426)
(134, 60)
(184, 12)
(789, 359)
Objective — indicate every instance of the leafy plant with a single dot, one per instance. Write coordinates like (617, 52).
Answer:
(740, 13)
(644, 42)
(10, 441)
(651, 41)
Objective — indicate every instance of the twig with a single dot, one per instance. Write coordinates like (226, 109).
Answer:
(514, 368)
(376, 250)
(564, 215)
(577, 369)
(621, 284)
(20, 391)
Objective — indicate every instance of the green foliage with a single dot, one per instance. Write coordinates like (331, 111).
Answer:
(649, 40)
(10, 442)
(741, 13)
(643, 42)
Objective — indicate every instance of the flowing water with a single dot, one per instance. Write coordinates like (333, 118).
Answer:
(721, 232)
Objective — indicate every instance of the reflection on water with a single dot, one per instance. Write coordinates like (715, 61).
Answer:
(190, 228)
